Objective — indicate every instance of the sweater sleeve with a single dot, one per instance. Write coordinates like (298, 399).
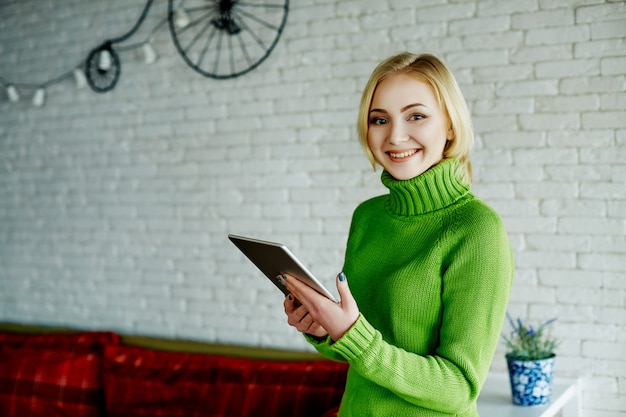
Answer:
(477, 278)
(323, 348)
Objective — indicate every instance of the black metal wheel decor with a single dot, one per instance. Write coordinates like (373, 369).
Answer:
(102, 68)
(226, 38)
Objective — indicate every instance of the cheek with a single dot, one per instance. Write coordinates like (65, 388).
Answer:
(437, 136)
(373, 140)
(374, 145)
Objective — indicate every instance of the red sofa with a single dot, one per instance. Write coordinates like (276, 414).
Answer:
(103, 374)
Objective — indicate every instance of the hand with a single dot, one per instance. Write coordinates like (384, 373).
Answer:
(335, 318)
(299, 317)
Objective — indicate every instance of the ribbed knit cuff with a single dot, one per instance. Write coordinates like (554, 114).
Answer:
(356, 340)
(316, 341)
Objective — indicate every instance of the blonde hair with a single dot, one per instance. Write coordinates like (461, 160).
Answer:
(431, 70)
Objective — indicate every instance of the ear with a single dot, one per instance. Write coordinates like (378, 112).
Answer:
(450, 135)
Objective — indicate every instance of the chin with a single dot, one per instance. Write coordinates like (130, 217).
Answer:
(406, 171)
(404, 175)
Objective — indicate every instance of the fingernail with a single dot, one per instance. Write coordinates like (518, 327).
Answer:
(284, 277)
(279, 279)
(342, 277)
(290, 297)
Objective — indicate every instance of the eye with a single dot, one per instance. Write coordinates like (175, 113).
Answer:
(378, 121)
(417, 117)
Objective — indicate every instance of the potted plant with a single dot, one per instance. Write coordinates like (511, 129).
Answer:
(530, 361)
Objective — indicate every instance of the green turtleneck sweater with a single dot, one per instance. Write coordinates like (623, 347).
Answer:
(431, 268)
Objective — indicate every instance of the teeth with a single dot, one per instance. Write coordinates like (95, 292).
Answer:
(403, 154)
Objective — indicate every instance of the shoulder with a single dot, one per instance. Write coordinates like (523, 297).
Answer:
(479, 214)
(477, 219)
(365, 212)
(372, 205)
(477, 236)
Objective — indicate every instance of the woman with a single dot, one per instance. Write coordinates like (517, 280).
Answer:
(430, 266)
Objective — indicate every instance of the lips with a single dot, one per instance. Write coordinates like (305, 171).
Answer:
(403, 154)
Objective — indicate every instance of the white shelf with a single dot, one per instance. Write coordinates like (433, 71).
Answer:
(495, 399)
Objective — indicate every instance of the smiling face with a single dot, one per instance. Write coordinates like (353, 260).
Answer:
(407, 130)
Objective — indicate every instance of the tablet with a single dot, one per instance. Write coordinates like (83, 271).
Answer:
(274, 259)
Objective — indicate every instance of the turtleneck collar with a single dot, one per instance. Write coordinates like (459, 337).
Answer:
(436, 188)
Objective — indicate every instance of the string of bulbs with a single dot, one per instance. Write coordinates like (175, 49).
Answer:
(101, 69)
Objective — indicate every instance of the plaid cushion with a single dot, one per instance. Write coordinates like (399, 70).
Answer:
(48, 383)
(142, 382)
(52, 374)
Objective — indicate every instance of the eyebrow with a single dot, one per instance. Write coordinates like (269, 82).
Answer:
(403, 109)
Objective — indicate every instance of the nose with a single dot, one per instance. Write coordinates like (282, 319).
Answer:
(397, 134)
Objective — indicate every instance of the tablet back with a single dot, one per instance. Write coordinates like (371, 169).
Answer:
(274, 259)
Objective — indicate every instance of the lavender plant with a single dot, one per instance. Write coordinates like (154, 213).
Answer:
(529, 343)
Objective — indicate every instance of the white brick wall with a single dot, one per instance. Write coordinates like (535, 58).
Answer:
(114, 208)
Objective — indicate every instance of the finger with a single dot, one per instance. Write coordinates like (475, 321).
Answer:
(311, 326)
(318, 331)
(302, 323)
(297, 316)
(343, 288)
(289, 304)
(302, 292)
(300, 313)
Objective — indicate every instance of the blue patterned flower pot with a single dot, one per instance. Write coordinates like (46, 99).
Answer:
(531, 381)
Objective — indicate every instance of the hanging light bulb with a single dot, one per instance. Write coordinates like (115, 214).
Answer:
(181, 18)
(79, 78)
(104, 60)
(14, 96)
(150, 55)
(40, 97)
